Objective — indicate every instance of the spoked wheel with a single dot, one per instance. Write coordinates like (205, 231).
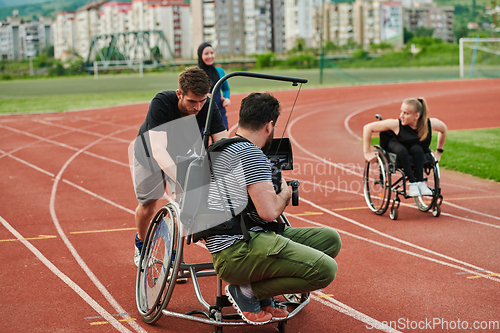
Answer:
(377, 183)
(424, 203)
(161, 254)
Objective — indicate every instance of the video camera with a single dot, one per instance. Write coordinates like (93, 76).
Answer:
(281, 158)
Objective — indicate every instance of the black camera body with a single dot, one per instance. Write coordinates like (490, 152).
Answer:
(281, 158)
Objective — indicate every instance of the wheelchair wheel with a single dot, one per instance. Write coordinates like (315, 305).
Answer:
(160, 256)
(436, 210)
(377, 183)
(424, 203)
(394, 211)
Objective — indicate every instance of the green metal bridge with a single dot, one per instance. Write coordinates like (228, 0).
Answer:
(129, 48)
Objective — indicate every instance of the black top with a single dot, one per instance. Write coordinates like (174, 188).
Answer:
(163, 109)
(407, 136)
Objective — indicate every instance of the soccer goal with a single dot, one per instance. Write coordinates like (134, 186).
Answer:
(479, 57)
(119, 64)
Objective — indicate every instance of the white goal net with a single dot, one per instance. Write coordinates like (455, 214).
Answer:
(479, 57)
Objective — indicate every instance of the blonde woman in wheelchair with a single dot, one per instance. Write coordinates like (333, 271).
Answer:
(411, 136)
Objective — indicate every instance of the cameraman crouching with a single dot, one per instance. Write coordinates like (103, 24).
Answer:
(270, 263)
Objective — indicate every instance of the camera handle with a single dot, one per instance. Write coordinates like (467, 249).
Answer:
(293, 183)
(295, 191)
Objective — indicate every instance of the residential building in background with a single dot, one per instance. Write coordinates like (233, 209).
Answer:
(379, 21)
(87, 24)
(243, 27)
(429, 15)
(299, 22)
(338, 23)
(64, 30)
(20, 40)
(173, 18)
(233, 27)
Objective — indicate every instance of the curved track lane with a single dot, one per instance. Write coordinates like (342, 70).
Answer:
(67, 216)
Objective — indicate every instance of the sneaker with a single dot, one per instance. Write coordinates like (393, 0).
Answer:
(138, 249)
(268, 305)
(247, 308)
(424, 189)
(413, 191)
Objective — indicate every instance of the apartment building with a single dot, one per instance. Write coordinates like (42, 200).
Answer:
(246, 27)
(299, 22)
(114, 17)
(173, 18)
(379, 21)
(239, 27)
(73, 32)
(338, 22)
(9, 39)
(20, 40)
(87, 26)
(65, 36)
(429, 15)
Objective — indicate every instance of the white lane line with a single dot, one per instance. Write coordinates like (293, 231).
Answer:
(347, 310)
(471, 211)
(348, 118)
(95, 195)
(50, 174)
(76, 288)
(398, 239)
(329, 189)
(296, 143)
(30, 144)
(70, 246)
(470, 220)
(57, 143)
(49, 123)
(437, 261)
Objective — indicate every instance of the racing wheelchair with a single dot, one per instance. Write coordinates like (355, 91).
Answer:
(177, 224)
(385, 176)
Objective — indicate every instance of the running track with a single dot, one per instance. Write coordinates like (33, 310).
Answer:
(67, 229)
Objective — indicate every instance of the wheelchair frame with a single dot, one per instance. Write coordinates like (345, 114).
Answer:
(162, 264)
(162, 259)
(382, 183)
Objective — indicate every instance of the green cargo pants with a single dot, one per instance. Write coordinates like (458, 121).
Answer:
(295, 261)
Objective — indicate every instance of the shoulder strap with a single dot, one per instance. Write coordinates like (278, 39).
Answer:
(223, 143)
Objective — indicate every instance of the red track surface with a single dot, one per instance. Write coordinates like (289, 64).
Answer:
(67, 221)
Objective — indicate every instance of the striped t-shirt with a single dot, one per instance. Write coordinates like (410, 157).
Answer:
(237, 166)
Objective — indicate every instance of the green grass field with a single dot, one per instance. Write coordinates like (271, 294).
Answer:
(62, 94)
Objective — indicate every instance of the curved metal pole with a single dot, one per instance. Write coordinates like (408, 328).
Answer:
(216, 89)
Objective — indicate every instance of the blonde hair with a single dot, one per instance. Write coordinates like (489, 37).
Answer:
(420, 106)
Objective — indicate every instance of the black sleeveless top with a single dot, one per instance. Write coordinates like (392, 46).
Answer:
(407, 136)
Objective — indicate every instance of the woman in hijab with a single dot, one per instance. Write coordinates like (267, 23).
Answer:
(206, 62)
